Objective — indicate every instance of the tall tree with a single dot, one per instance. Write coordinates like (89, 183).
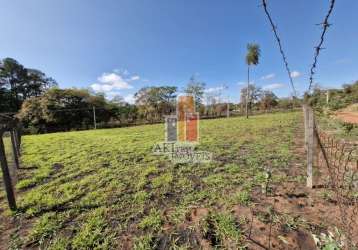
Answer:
(268, 100)
(196, 89)
(153, 102)
(252, 58)
(18, 83)
(250, 96)
(12, 79)
(118, 100)
(36, 83)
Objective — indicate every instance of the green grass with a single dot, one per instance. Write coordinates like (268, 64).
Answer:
(92, 189)
(338, 128)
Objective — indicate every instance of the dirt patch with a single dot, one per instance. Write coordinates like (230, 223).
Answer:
(198, 214)
(288, 216)
(349, 117)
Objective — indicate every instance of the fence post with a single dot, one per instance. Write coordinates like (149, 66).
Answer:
(15, 149)
(94, 117)
(18, 139)
(309, 142)
(6, 175)
(305, 117)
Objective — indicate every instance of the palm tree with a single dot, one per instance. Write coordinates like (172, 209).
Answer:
(252, 58)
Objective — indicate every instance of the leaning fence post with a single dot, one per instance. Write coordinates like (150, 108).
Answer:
(310, 143)
(15, 148)
(6, 175)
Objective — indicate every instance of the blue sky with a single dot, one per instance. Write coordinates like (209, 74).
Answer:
(119, 46)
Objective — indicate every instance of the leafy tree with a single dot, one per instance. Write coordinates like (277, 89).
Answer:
(268, 100)
(5, 100)
(64, 109)
(252, 58)
(196, 89)
(36, 83)
(249, 98)
(123, 112)
(154, 102)
(118, 100)
(126, 113)
(18, 83)
(12, 79)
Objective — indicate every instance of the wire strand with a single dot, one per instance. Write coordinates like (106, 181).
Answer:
(284, 58)
(325, 25)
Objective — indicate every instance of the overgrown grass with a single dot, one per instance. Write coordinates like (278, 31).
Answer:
(338, 128)
(104, 188)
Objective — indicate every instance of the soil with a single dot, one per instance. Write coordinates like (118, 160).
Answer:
(310, 213)
(313, 213)
(349, 117)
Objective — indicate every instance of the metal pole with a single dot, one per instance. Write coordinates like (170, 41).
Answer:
(94, 117)
(6, 176)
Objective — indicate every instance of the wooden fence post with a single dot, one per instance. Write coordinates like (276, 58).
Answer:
(15, 149)
(310, 142)
(6, 175)
(305, 117)
(18, 138)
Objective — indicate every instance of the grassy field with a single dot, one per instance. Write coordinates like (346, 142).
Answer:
(338, 128)
(105, 189)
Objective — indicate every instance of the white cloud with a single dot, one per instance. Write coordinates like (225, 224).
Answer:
(295, 74)
(274, 86)
(108, 82)
(129, 98)
(115, 80)
(123, 72)
(112, 94)
(214, 89)
(135, 78)
(101, 87)
(269, 76)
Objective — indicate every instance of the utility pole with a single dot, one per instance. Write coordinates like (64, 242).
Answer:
(94, 117)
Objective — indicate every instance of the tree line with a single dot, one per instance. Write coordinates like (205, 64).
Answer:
(334, 99)
(17, 83)
(44, 107)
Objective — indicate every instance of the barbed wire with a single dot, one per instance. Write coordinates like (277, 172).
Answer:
(325, 25)
(274, 29)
